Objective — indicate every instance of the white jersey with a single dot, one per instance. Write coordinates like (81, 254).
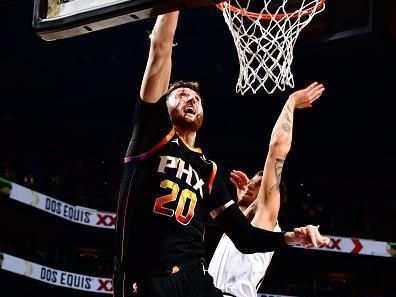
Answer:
(236, 273)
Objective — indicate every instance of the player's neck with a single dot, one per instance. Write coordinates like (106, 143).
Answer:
(187, 136)
(247, 211)
(242, 206)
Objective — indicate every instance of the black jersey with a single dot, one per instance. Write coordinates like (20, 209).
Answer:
(165, 187)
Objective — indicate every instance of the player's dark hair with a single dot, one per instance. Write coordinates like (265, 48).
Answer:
(193, 85)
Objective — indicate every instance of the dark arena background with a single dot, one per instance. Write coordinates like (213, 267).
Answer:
(66, 118)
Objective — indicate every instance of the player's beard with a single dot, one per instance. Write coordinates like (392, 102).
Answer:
(179, 121)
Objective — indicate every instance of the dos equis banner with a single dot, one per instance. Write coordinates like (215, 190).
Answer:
(76, 214)
(94, 218)
(55, 277)
(63, 278)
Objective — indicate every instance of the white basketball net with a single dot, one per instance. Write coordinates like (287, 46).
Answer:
(265, 45)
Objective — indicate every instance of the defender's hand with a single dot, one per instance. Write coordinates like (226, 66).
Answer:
(305, 97)
(240, 181)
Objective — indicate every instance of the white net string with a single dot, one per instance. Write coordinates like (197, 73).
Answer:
(265, 44)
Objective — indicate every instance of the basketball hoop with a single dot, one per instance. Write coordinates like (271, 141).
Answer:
(265, 37)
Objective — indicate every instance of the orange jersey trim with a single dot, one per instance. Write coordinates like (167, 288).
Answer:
(212, 177)
(153, 149)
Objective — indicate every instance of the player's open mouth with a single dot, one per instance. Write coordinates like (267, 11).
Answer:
(189, 110)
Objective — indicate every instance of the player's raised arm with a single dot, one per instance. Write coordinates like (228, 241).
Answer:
(158, 68)
(266, 206)
(248, 238)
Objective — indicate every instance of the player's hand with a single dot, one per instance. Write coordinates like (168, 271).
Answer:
(305, 97)
(308, 236)
(240, 181)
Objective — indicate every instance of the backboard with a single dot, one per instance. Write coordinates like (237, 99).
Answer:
(58, 19)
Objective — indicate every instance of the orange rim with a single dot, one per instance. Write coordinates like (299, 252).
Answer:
(267, 16)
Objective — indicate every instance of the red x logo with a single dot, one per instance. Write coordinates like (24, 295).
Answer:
(106, 220)
(105, 285)
(334, 244)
